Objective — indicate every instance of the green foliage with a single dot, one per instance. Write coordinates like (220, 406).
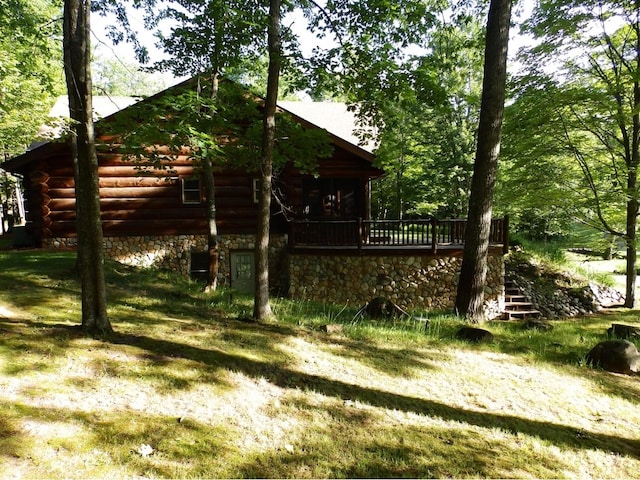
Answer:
(541, 224)
(200, 34)
(116, 77)
(195, 35)
(371, 37)
(227, 130)
(427, 134)
(30, 69)
(569, 145)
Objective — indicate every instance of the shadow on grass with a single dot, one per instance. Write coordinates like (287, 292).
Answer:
(393, 451)
(392, 361)
(117, 435)
(403, 452)
(331, 449)
(286, 378)
(216, 359)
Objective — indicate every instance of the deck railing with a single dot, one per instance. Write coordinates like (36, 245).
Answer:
(431, 233)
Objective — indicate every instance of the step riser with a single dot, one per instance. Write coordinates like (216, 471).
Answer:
(516, 305)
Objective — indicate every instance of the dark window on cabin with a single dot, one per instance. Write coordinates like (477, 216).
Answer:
(191, 190)
(199, 269)
(330, 198)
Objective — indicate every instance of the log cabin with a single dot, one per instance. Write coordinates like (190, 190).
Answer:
(324, 245)
(156, 217)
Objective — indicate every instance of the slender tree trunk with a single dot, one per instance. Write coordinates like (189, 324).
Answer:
(210, 196)
(261, 307)
(77, 55)
(470, 295)
(632, 183)
(212, 228)
(630, 297)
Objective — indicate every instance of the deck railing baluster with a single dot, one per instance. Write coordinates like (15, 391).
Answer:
(389, 233)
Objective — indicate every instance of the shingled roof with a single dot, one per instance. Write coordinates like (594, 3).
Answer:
(334, 117)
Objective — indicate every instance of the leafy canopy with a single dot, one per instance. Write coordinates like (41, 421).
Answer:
(572, 133)
(30, 68)
(226, 130)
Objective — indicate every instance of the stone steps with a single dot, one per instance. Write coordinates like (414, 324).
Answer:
(516, 305)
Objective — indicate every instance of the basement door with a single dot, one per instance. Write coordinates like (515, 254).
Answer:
(243, 272)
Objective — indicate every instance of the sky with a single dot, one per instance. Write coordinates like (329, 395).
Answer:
(103, 46)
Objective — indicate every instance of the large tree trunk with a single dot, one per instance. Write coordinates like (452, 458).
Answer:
(632, 187)
(470, 295)
(210, 196)
(261, 306)
(90, 242)
(212, 227)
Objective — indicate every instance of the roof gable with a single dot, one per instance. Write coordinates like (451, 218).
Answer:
(334, 118)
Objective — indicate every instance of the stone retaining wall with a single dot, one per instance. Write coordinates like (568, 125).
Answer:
(414, 282)
(174, 252)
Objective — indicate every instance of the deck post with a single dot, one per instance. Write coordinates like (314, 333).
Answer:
(360, 233)
(505, 235)
(290, 239)
(434, 234)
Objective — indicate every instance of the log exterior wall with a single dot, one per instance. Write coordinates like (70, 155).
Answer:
(135, 201)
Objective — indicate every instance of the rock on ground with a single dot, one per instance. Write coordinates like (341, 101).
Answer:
(619, 356)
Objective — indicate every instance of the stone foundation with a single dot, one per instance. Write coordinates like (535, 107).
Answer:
(415, 283)
(174, 252)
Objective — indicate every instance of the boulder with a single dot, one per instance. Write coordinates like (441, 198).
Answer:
(619, 330)
(331, 328)
(474, 334)
(619, 356)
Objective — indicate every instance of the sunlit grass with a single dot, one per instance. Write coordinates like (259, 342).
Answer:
(190, 387)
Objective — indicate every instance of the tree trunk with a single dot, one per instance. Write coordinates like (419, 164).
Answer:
(632, 187)
(212, 227)
(470, 295)
(630, 297)
(89, 229)
(210, 199)
(261, 307)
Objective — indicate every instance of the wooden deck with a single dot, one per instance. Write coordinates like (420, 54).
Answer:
(388, 236)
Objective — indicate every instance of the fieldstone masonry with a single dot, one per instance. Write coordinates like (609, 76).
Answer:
(174, 252)
(413, 282)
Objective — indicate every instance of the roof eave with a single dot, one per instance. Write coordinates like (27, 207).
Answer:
(339, 141)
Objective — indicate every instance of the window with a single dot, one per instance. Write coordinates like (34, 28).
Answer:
(334, 198)
(191, 190)
(199, 269)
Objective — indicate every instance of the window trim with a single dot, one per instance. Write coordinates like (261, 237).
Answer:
(256, 190)
(191, 190)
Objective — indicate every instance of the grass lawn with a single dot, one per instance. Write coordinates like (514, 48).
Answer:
(188, 388)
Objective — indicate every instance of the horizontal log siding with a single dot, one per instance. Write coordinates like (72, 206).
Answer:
(148, 201)
(134, 203)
